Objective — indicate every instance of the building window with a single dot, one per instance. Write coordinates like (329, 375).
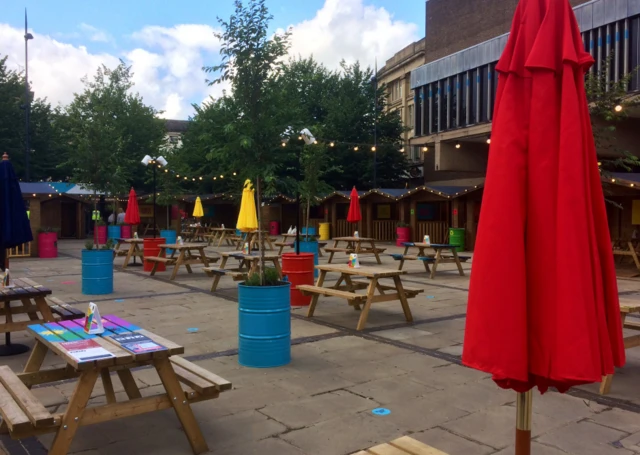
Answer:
(410, 119)
(415, 153)
(395, 90)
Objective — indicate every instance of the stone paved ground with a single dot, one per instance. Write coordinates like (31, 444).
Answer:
(321, 403)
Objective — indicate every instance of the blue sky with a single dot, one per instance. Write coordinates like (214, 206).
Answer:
(167, 42)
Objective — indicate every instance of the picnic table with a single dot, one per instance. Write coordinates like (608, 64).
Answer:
(133, 250)
(31, 298)
(249, 264)
(121, 348)
(188, 254)
(627, 250)
(195, 234)
(253, 239)
(372, 275)
(627, 307)
(221, 235)
(357, 245)
(437, 258)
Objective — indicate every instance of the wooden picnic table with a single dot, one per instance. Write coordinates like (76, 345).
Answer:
(627, 307)
(253, 238)
(373, 275)
(402, 446)
(195, 234)
(439, 258)
(30, 298)
(250, 262)
(185, 256)
(629, 251)
(357, 245)
(221, 235)
(88, 357)
(133, 250)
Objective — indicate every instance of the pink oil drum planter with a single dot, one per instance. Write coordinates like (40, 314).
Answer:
(403, 235)
(125, 231)
(47, 245)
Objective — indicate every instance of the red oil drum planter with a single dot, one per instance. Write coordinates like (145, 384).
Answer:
(299, 270)
(274, 228)
(403, 235)
(47, 245)
(100, 235)
(151, 247)
(125, 231)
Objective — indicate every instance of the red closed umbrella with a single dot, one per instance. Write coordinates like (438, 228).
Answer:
(547, 314)
(132, 216)
(354, 214)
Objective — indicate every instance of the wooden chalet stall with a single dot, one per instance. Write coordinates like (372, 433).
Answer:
(218, 208)
(335, 207)
(280, 208)
(622, 190)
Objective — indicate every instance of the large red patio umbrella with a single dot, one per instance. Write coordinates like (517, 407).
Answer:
(132, 216)
(546, 314)
(354, 214)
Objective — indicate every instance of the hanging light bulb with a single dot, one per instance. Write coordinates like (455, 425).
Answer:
(166, 170)
(331, 144)
(618, 108)
(215, 178)
(489, 139)
(373, 149)
(178, 175)
(355, 148)
(299, 138)
(222, 176)
(458, 144)
(186, 178)
(425, 149)
(284, 144)
(402, 150)
(193, 179)
(315, 142)
(613, 180)
(599, 163)
(200, 178)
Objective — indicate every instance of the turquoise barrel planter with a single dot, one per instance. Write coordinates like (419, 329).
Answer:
(170, 237)
(114, 232)
(264, 325)
(310, 247)
(308, 231)
(97, 272)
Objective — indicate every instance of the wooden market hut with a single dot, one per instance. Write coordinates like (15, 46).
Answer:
(622, 190)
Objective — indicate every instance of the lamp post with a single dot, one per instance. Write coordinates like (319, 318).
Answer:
(157, 163)
(27, 97)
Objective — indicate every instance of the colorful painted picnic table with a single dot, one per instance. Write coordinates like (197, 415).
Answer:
(122, 347)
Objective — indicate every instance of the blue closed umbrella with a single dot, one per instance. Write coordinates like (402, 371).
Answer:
(14, 229)
(14, 222)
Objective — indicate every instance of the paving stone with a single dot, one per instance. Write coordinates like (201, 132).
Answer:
(536, 448)
(312, 383)
(495, 427)
(450, 443)
(431, 341)
(585, 438)
(618, 419)
(453, 350)
(448, 375)
(474, 396)
(274, 446)
(392, 390)
(305, 412)
(422, 413)
(401, 333)
(564, 407)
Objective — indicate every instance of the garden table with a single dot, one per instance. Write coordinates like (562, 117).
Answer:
(372, 275)
(250, 263)
(439, 258)
(357, 245)
(188, 254)
(253, 238)
(629, 251)
(134, 250)
(122, 348)
(221, 235)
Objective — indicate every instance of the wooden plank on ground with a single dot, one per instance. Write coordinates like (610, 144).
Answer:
(35, 411)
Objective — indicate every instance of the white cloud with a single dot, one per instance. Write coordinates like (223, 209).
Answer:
(167, 61)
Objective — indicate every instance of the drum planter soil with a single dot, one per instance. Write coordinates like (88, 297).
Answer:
(264, 325)
(47, 245)
(403, 235)
(97, 272)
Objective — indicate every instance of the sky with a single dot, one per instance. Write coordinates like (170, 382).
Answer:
(167, 43)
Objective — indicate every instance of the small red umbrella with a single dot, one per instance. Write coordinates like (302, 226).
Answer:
(354, 214)
(133, 212)
(547, 314)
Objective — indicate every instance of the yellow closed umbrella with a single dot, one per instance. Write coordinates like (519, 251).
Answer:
(247, 219)
(197, 210)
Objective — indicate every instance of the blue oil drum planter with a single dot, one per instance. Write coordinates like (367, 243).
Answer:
(308, 231)
(264, 325)
(114, 232)
(97, 272)
(170, 237)
(310, 247)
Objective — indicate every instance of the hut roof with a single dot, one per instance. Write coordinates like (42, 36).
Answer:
(624, 179)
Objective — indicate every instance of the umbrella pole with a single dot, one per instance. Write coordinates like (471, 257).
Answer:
(524, 409)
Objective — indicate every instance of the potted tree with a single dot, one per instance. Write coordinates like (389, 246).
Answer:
(252, 126)
(403, 233)
(47, 242)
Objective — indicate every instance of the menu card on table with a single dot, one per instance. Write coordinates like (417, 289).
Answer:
(86, 350)
(138, 343)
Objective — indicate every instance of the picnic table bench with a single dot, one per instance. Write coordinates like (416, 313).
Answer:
(627, 306)
(249, 264)
(402, 446)
(217, 273)
(357, 245)
(372, 275)
(25, 416)
(438, 257)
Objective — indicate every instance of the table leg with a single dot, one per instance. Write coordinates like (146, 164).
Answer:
(435, 263)
(347, 279)
(71, 418)
(375, 252)
(365, 311)
(314, 299)
(108, 385)
(406, 249)
(129, 384)
(177, 265)
(276, 264)
(129, 254)
(181, 405)
(634, 255)
(36, 358)
(221, 238)
(203, 257)
(403, 299)
(605, 385)
(459, 264)
(43, 308)
(33, 315)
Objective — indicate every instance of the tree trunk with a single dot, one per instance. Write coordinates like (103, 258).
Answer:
(260, 239)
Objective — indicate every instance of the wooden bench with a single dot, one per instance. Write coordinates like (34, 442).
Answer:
(306, 289)
(426, 260)
(21, 411)
(219, 273)
(64, 310)
(199, 379)
(462, 258)
(402, 446)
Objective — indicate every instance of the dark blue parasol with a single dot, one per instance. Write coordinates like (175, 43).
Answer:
(14, 223)
(14, 229)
